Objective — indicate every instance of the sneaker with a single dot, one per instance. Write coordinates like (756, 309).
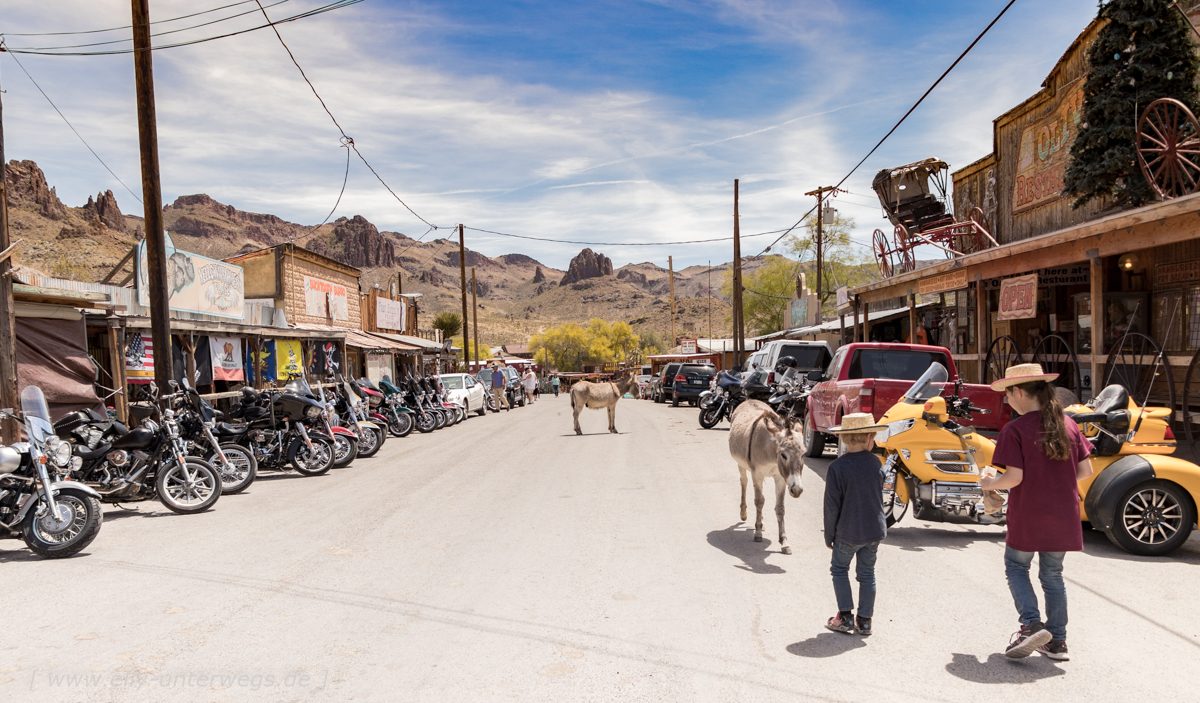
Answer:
(841, 623)
(863, 625)
(1027, 640)
(1056, 650)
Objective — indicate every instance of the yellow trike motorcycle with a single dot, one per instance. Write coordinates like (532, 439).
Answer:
(1142, 498)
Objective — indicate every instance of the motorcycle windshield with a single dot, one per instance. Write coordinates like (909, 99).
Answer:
(37, 415)
(299, 386)
(926, 386)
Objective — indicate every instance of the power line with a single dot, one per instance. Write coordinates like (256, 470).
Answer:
(905, 116)
(345, 180)
(156, 34)
(337, 5)
(68, 123)
(618, 244)
(127, 26)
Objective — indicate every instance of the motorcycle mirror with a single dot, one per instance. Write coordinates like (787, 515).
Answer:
(816, 376)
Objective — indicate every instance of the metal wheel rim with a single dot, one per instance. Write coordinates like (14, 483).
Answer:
(73, 521)
(1152, 516)
(341, 447)
(1168, 148)
(235, 468)
(368, 441)
(183, 492)
(882, 254)
(316, 457)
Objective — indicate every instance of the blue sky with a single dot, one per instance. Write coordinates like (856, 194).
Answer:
(603, 121)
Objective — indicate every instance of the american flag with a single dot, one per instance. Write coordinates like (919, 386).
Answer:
(139, 357)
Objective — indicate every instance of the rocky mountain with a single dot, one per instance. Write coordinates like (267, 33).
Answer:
(518, 295)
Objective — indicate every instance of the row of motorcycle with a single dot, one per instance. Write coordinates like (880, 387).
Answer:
(788, 396)
(187, 454)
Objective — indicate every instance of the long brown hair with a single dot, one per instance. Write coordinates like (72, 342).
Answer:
(1055, 442)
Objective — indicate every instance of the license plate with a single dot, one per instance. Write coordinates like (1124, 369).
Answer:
(699, 383)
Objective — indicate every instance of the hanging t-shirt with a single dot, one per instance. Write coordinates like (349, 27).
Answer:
(1043, 512)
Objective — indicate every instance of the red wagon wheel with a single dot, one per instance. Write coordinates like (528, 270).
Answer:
(904, 247)
(1168, 148)
(882, 253)
(981, 235)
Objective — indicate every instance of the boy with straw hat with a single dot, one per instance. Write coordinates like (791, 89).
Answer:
(854, 521)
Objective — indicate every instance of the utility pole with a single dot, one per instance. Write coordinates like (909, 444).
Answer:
(474, 318)
(671, 285)
(8, 338)
(399, 283)
(156, 248)
(820, 194)
(739, 323)
(462, 270)
(708, 285)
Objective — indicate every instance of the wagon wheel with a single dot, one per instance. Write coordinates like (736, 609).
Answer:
(1056, 356)
(1131, 364)
(1168, 148)
(1003, 352)
(981, 234)
(904, 247)
(882, 253)
(1192, 376)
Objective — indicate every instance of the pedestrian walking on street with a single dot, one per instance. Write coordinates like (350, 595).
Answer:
(854, 521)
(499, 382)
(1044, 455)
(529, 382)
(554, 384)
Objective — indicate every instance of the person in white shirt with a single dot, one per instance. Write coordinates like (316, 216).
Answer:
(529, 381)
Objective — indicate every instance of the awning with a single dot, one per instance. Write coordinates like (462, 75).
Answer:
(426, 345)
(371, 342)
(834, 325)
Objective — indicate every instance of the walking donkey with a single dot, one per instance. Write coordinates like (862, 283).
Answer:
(586, 394)
(765, 445)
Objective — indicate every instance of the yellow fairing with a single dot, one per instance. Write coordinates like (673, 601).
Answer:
(924, 438)
(1166, 468)
(1151, 435)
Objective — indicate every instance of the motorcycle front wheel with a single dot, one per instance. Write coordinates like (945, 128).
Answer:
(439, 418)
(240, 470)
(426, 422)
(192, 491)
(313, 462)
(67, 533)
(370, 442)
(401, 424)
(710, 416)
(345, 450)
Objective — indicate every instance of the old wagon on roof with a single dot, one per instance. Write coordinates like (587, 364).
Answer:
(914, 198)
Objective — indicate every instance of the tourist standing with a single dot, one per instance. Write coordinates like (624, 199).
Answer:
(529, 382)
(498, 386)
(554, 384)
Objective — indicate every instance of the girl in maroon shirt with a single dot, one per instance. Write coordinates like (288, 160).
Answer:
(1044, 455)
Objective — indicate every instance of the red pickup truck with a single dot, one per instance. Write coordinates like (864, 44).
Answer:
(870, 377)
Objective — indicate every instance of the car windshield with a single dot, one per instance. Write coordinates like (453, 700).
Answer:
(902, 364)
(452, 383)
(926, 386)
(808, 358)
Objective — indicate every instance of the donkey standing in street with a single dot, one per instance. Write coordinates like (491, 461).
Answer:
(586, 394)
(764, 444)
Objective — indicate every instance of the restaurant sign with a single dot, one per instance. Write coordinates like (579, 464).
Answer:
(1018, 298)
(1045, 150)
(326, 299)
(941, 283)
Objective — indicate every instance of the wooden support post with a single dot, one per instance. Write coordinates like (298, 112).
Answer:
(866, 321)
(739, 322)
(474, 318)
(912, 319)
(156, 253)
(857, 330)
(187, 342)
(8, 338)
(1096, 269)
(981, 330)
(462, 270)
(116, 364)
(671, 288)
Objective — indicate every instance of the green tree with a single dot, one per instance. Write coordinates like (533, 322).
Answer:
(768, 292)
(844, 261)
(450, 323)
(562, 347)
(1143, 53)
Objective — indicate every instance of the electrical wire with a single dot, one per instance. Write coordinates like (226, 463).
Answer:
(618, 244)
(156, 34)
(127, 26)
(345, 180)
(68, 123)
(337, 5)
(905, 116)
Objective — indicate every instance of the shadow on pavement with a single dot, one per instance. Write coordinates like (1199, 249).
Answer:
(739, 542)
(826, 644)
(919, 538)
(1000, 669)
(1096, 544)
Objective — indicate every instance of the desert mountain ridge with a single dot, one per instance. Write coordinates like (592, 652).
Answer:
(518, 295)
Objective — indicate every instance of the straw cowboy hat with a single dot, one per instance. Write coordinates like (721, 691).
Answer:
(857, 423)
(1022, 373)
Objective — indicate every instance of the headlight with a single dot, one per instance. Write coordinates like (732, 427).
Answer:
(58, 451)
(312, 411)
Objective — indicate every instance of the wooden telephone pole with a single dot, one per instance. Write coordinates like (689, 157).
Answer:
(474, 317)
(462, 270)
(156, 248)
(820, 194)
(739, 323)
(8, 338)
(671, 286)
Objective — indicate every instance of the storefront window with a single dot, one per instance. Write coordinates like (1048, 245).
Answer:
(1168, 324)
(1192, 317)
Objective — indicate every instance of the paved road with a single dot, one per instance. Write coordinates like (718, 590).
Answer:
(508, 559)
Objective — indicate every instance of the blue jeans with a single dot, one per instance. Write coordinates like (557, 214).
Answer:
(864, 569)
(1050, 568)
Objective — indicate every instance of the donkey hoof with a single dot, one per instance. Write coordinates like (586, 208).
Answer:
(757, 537)
(743, 516)
(786, 550)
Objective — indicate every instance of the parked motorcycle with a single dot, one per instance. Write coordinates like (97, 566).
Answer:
(345, 440)
(148, 461)
(350, 411)
(197, 420)
(56, 518)
(387, 409)
(719, 402)
(274, 430)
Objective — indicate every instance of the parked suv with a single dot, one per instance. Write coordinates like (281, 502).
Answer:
(809, 356)
(660, 387)
(689, 381)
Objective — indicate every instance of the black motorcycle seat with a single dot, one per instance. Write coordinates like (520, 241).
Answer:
(229, 428)
(89, 454)
(1112, 398)
(137, 438)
